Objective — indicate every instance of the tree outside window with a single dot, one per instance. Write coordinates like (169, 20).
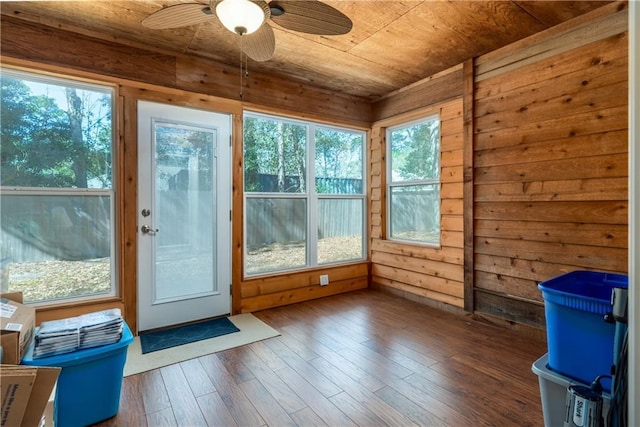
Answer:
(414, 182)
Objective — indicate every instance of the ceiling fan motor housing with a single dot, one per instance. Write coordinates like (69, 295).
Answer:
(258, 39)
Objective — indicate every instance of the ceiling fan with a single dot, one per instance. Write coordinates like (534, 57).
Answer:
(247, 19)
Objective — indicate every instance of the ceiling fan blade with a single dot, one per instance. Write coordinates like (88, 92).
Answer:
(179, 15)
(312, 17)
(259, 45)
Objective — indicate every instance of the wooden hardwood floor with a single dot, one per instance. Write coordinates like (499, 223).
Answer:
(365, 358)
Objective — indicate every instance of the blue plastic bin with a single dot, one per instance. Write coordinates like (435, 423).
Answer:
(90, 382)
(579, 341)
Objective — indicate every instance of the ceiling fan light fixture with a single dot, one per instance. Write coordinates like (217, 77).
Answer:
(240, 16)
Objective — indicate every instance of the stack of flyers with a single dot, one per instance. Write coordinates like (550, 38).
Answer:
(77, 333)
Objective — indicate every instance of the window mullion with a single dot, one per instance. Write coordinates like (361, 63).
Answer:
(312, 199)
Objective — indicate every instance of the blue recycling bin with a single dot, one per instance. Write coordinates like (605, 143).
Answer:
(90, 382)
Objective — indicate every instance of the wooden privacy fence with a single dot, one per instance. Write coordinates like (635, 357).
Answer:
(284, 220)
(272, 220)
(415, 211)
(55, 227)
(268, 183)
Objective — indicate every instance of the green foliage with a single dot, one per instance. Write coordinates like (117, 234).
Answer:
(45, 145)
(275, 156)
(35, 134)
(415, 151)
(277, 149)
(338, 154)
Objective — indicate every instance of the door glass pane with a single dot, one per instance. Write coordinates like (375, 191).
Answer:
(185, 211)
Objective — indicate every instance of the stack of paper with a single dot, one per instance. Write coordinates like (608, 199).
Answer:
(76, 333)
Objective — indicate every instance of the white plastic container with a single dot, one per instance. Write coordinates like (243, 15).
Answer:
(553, 393)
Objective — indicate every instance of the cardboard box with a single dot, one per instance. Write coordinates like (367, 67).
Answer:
(24, 393)
(17, 326)
(49, 411)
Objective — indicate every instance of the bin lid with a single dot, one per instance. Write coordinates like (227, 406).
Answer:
(541, 368)
(585, 284)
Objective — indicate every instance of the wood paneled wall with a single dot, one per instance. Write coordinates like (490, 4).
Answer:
(433, 275)
(283, 289)
(550, 162)
(431, 91)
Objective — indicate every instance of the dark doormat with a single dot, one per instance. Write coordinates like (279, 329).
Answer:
(167, 338)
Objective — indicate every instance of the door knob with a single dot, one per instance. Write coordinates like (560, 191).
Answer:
(148, 230)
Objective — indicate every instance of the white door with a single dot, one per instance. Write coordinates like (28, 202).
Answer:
(184, 204)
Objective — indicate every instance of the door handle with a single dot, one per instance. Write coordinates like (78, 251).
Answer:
(148, 230)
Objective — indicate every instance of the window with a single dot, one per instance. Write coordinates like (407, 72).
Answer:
(413, 190)
(304, 194)
(57, 199)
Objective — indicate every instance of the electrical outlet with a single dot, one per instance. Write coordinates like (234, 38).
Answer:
(324, 279)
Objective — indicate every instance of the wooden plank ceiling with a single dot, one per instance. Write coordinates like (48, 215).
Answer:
(392, 44)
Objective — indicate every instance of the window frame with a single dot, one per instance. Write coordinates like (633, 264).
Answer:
(311, 196)
(391, 184)
(68, 80)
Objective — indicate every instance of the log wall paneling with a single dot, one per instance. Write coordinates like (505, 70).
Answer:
(377, 175)
(430, 91)
(549, 163)
(433, 275)
(597, 24)
(282, 289)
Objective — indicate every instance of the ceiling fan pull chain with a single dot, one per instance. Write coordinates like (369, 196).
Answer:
(241, 71)
(246, 66)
